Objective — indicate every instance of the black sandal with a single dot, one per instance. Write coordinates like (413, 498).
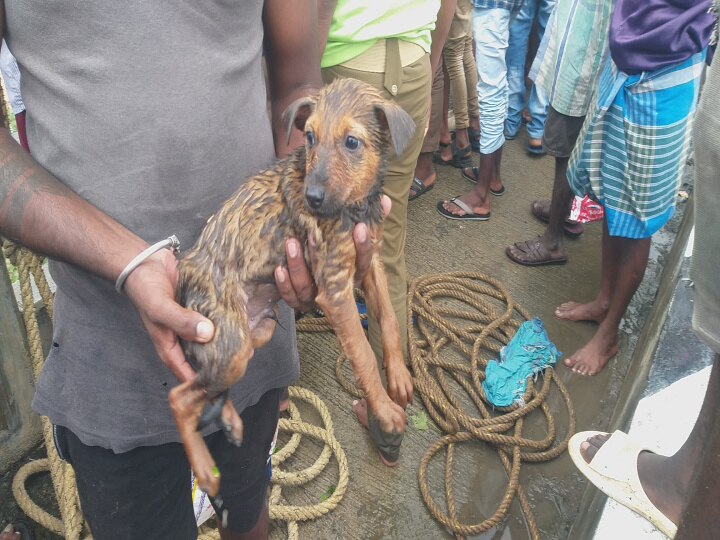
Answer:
(418, 188)
(461, 157)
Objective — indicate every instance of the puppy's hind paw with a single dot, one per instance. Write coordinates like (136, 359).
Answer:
(231, 424)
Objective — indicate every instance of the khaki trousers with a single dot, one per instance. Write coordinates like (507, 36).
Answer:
(413, 96)
(460, 64)
(432, 137)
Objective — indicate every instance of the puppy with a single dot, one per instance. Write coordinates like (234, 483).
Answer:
(317, 195)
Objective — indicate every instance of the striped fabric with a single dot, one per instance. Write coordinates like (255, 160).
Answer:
(510, 5)
(571, 54)
(635, 145)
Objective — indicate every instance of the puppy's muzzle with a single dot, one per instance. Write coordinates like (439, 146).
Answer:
(315, 195)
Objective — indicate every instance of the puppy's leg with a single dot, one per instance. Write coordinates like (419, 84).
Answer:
(400, 386)
(186, 403)
(341, 312)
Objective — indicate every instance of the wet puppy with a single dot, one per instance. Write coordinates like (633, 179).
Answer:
(318, 194)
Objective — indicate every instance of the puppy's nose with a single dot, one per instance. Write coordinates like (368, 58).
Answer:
(315, 196)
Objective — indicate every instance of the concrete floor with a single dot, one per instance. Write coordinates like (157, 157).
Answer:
(386, 503)
(383, 503)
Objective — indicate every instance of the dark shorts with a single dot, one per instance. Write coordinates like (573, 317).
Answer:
(561, 133)
(146, 492)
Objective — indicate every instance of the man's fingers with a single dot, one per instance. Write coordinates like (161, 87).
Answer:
(186, 323)
(364, 251)
(299, 273)
(285, 288)
(386, 204)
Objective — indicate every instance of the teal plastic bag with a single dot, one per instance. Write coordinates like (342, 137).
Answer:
(529, 352)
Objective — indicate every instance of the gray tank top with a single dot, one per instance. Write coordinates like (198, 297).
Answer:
(154, 112)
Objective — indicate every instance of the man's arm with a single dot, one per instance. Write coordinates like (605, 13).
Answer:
(442, 29)
(326, 9)
(293, 61)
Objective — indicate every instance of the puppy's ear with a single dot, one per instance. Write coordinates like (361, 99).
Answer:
(297, 113)
(398, 123)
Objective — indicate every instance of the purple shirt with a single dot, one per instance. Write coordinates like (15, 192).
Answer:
(646, 35)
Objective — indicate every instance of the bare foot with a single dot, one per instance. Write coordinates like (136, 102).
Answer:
(359, 407)
(592, 358)
(652, 468)
(575, 311)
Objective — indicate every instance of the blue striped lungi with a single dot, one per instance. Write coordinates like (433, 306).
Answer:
(635, 145)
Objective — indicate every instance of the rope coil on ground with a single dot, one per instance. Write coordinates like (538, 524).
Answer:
(475, 315)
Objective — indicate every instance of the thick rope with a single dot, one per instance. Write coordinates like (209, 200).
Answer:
(459, 321)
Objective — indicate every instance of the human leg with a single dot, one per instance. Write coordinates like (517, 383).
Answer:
(538, 101)
(414, 99)
(538, 104)
(515, 57)
(453, 53)
(490, 28)
(550, 247)
(632, 257)
(425, 174)
(471, 91)
(683, 486)
(559, 139)
(700, 517)
(145, 492)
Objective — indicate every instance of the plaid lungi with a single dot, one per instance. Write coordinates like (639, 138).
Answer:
(635, 144)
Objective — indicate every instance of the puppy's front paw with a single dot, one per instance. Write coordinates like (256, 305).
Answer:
(390, 415)
(399, 384)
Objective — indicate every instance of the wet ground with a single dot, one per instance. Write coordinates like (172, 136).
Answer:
(386, 503)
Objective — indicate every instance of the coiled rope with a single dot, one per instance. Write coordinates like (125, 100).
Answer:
(474, 315)
(458, 322)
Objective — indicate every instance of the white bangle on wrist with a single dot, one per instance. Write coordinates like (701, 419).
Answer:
(172, 243)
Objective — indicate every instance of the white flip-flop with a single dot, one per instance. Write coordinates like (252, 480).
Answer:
(613, 470)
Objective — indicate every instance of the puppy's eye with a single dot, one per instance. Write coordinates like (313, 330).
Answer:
(351, 143)
(310, 139)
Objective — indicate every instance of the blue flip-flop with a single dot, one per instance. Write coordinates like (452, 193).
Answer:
(469, 215)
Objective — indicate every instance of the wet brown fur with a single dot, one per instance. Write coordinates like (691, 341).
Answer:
(228, 275)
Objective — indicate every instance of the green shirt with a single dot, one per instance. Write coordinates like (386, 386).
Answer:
(358, 24)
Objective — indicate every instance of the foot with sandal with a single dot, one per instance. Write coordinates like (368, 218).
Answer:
(673, 492)
(424, 177)
(474, 205)
(548, 248)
